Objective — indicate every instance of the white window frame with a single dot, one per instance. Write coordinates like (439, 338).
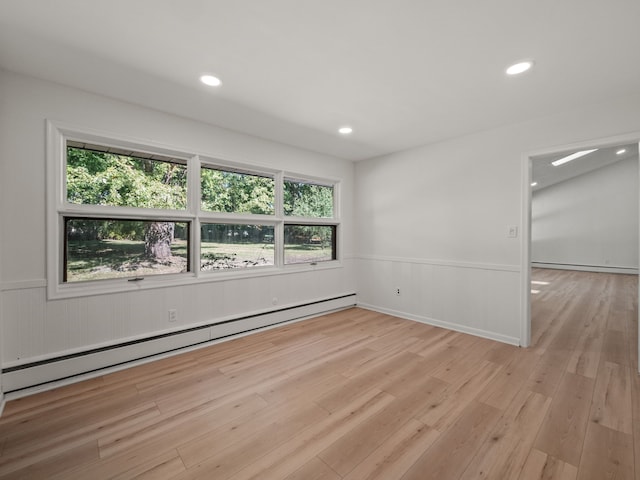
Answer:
(206, 216)
(313, 221)
(57, 208)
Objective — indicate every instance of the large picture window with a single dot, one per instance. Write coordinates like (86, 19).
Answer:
(124, 215)
(97, 249)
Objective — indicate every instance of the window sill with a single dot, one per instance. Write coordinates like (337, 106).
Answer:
(105, 287)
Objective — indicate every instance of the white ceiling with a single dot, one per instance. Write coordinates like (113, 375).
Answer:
(402, 73)
(544, 174)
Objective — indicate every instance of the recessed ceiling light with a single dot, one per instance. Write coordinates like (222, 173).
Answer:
(534, 184)
(345, 130)
(573, 156)
(210, 80)
(519, 67)
(621, 151)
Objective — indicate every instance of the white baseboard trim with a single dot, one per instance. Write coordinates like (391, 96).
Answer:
(448, 325)
(29, 378)
(586, 268)
(2, 402)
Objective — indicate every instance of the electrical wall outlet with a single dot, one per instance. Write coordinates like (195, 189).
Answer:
(173, 315)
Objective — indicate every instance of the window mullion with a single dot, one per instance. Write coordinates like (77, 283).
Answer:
(105, 211)
(194, 195)
(311, 221)
(279, 228)
(193, 185)
(244, 218)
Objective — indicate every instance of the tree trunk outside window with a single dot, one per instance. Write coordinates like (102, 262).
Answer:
(157, 240)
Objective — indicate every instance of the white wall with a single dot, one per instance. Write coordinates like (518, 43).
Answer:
(589, 221)
(35, 328)
(4, 126)
(2, 175)
(433, 221)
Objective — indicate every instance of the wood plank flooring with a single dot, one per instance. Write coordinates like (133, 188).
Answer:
(360, 395)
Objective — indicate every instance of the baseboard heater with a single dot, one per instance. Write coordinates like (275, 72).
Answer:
(40, 375)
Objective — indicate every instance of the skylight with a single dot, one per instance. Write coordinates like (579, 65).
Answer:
(573, 156)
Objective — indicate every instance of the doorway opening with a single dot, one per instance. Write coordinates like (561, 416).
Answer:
(580, 213)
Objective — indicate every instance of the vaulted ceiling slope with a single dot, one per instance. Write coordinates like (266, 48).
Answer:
(402, 73)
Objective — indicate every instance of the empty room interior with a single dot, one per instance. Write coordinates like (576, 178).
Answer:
(286, 240)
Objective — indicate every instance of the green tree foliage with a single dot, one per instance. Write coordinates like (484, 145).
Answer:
(99, 178)
(231, 192)
(303, 199)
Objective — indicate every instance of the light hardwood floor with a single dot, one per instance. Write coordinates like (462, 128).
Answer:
(361, 395)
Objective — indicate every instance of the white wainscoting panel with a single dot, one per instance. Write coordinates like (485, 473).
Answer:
(479, 299)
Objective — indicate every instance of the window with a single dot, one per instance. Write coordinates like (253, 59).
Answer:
(238, 219)
(309, 243)
(304, 199)
(120, 212)
(106, 180)
(309, 238)
(236, 192)
(97, 249)
(98, 175)
(231, 246)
